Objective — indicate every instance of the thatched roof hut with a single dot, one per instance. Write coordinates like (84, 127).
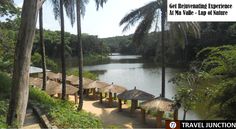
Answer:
(53, 87)
(72, 78)
(70, 90)
(86, 82)
(158, 104)
(38, 82)
(97, 84)
(53, 76)
(135, 94)
(56, 88)
(113, 89)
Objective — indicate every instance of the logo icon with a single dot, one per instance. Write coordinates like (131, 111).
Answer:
(172, 125)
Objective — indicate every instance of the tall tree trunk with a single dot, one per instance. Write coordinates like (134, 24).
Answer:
(20, 79)
(80, 54)
(63, 67)
(42, 47)
(163, 51)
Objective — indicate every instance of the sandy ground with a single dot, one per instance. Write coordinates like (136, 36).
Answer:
(111, 117)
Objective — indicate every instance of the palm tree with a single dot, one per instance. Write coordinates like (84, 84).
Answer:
(59, 12)
(80, 54)
(41, 38)
(20, 79)
(80, 8)
(149, 15)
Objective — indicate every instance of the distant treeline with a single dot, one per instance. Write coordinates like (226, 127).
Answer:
(92, 45)
(177, 52)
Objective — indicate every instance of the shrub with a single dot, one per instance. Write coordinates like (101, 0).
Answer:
(5, 85)
(63, 113)
(218, 60)
(86, 74)
(37, 61)
(3, 112)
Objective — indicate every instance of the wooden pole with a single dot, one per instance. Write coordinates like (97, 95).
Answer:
(115, 96)
(100, 97)
(94, 92)
(105, 94)
(110, 99)
(143, 115)
(133, 105)
(120, 105)
(76, 99)
(159, 119)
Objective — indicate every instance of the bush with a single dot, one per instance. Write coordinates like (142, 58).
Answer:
(37, 61)
(92, 59)
(5, 85)
(218, 60)
(86, 74)
(63, 113)
(226, 99)
(3, 112)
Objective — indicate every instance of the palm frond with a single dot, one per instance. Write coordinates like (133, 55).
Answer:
(83, 6)
(100, 3)
(138, 14)
(70, 10)
(56, 8)
(180, 30)
(144, 27)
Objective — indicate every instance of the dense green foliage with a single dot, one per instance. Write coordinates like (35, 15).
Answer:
(220, 63)
(91, 44)
(3, 114)
(36, 60)
(218, 60)
(212, 34)
(86, 74)
(211, 84)
(63, 113)
(5, 86)
(150, 48)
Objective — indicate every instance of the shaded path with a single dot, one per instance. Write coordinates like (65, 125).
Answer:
(31, 121)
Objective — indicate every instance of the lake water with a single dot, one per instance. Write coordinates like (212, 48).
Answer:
(130, 71)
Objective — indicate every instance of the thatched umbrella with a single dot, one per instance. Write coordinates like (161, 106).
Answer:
(112, 89)
(72, 78)
(75, 81)
(56, 88)
(71, 90)
(133, 95)
(160, 105)
(53, 87)
(36, 82)
(97, 85)
(53, 76)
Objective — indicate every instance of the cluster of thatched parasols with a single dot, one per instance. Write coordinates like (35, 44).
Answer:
(159, 104)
